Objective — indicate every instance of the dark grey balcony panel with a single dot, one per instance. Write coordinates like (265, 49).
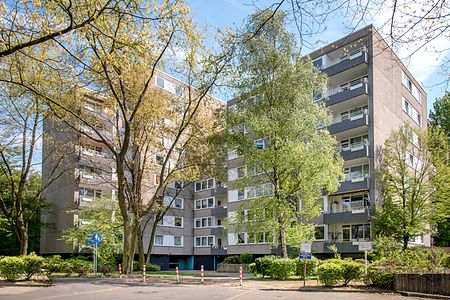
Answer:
(219, 191)
(341, 247)
(349, 155)
(348, 94)
(346, 216)
(346, 64)
(348, 124)
(348, 186)
(217, 231)
(219, 212)
(218, 251)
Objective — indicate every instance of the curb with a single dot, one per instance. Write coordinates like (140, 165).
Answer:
(350, 290)
(15, 284)
(429, 296)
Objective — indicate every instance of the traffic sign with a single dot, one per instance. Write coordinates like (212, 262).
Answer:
(365, 246)
(95, 239)
(305, 256)
(305, 247)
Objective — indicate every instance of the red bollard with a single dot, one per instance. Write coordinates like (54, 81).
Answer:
(202, 274)
(120, 271)
(240, 275)
(143, 272)
(178, 274)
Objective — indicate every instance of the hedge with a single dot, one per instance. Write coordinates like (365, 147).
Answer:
(12, 267)
(334, 271)
(311, 267)
(274, 267)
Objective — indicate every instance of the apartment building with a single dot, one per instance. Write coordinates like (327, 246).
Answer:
(370, 93)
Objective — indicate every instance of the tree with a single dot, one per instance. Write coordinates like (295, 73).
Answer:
(21, 189)
(440, 116)
(103, 216)
(288, 160)
(405, 178)
(439, 146)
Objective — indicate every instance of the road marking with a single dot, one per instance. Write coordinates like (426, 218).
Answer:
(237, 296)
(78, 294)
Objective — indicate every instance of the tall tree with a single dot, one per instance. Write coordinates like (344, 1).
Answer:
(274, 127)
(440, 115)
(405, 176)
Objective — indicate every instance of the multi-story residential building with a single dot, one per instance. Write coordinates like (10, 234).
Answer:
(370, 93)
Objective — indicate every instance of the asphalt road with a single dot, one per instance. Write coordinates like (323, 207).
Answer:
(115, 289)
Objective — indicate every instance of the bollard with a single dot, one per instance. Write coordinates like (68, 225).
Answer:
(120, 271)
(178, 274)
(202, 274)
(143, 272)
(240, 275)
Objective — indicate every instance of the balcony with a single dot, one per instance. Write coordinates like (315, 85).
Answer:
(346, 62)
(354, 184)
(219, 211)
(353, 214)
(217, 230)
(354, 121)
(351, 90)
(354, 151)
(216, 250)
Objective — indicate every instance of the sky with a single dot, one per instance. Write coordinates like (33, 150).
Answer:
(424, 65)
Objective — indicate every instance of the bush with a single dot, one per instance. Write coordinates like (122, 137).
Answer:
(351, 270)
(231, 260)
(83, 271)
(311, 267)
(12, 267)
(105, 269)
(246, 258)
(54, 264)
(76, 264)
(262, 264)
(330, 272)
(33, 265)
(153, 268)
(252, 268)
(282, 268)
(381, 276)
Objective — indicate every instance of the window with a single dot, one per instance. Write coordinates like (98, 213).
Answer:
(318, 63)
(91, 150)
(204, 241)
(179, 90)
(241, 194)
(204, 203)
(242, 128)
(159, 159)
(178, 222)
(203, 222)
(319, 232)
(204, 185)
(178, 241)
(178, 203)
(157, 179)
(411, 87)
(87, 194)
(160, 82)
(360, 232)
(359, 172)
(174, 203)
(411, 112)
(241, 238)
(159, 240)
(241, 171)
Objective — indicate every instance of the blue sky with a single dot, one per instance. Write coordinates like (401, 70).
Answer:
(214, 14)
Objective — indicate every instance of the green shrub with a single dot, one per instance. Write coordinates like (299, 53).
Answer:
(381, 276)
(351, 270)
(12, 267)
(54, 264)
(33, 265)
(330, 272)
(105, 269)
(252, 268)
(282, 268)
(153, 268)
(75, 264)
(246, 258)
(231, 260)
(83, 271)
(263, 264)
(311, 267)
(446, 261)
(136, 266)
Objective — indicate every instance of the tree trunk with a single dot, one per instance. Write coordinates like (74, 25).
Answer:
(150, 242)
(129, 246)
(405, 241)
(24, 241)
(283, 243)
(140, 246)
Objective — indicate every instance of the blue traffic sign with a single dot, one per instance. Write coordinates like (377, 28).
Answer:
(94, 239)
(305, 256)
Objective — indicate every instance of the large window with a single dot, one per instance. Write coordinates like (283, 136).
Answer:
(203, 241)
(360, 232)
(319, 232)
(174, 203)
(412, 112)
(171, 221)
(203, 222)
(411, 87)
(356, 173)
(87, 194)
(204, 203)
(159, 240)
(204, 185)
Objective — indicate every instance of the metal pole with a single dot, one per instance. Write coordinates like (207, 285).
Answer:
(95, 259)
(365, 263)
(240, 275)
(202, 274)
(304, 273)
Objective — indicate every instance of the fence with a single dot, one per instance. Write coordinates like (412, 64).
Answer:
(423, 283)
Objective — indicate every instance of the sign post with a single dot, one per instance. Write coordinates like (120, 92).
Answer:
(305, 254)
(96, 240)
(365, 246)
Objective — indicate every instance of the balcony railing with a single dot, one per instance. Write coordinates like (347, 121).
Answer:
(345, 62)
(352, 209)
